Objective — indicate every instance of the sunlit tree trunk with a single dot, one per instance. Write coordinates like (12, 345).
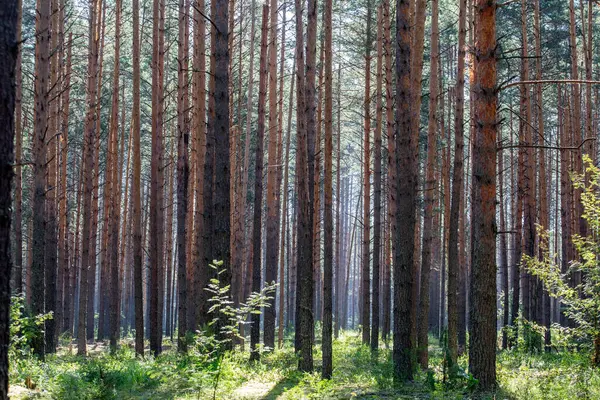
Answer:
(482, 338)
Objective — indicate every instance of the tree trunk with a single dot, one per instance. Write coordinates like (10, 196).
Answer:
(328, 206)
(304, 112)
(430, 189)
(482, 338)
(41, 99)
(183, 171)
(88, 182)
(406, 195)
(258, 184)
(136, 187)
(457, 189)
(196, 292)
(272, 227)
(366, 239)
(157, 182)
(377, 225)
(10, 17)
(18, 147)
(221, 249)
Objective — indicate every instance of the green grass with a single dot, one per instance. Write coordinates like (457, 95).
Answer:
(357, 375)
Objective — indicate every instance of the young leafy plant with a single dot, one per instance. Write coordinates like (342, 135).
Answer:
(578, 288)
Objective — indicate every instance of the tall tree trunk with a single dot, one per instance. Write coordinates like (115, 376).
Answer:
(328, 206)
(406, 197)
(391, 162)
(68, 270)
(157, 181)
(305, 112)
(115, 281)
(18, 147)
(88, 181)
(50, 252)
(221, 249)
(430, 189)
(283, 171)
(366, 239)
(9, 47)
(183, 171)
(272, 189)
(258, 181)
(377, 225)
(527, 167)
(482, 338)
(196, 290)
(40, 128)
(457, 188)
(136, 187)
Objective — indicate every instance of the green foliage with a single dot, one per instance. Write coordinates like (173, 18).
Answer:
(23, 327)
(581, 299)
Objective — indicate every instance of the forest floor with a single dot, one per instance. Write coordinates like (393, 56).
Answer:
(357, 375)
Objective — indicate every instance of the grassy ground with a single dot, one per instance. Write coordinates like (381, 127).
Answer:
(357, 375)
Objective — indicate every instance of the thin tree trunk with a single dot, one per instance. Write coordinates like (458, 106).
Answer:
(258, 181)
(377, 225)
(272, 227)
(136, 188)
(157, 182)
(457, 189)
(18, 147)
(183, 171)
(430, 189)
(328, 206)
(366, 239)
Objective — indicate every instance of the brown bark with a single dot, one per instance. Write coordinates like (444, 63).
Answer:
(366, 238)
(88, 181)
(272, 226)
(482, 338)
(64, 290)
(305, 169)
(156, 217)
(391, 163)
(377, 224)
(328, 206)
(527, 167)
(195, 291)
(136, 187)
(115, 197)
(406, 196)
(457, 189)
(430, 188)
(183, 171)
(41, 99)
(283, 173)
(219, 124)
(258, 182)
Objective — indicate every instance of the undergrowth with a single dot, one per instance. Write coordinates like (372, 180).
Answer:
(358, 374)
